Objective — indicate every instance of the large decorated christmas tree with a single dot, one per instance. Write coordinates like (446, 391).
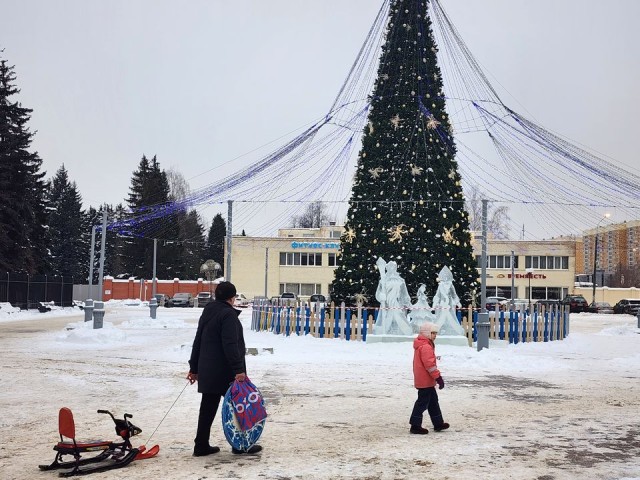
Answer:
(406, 203)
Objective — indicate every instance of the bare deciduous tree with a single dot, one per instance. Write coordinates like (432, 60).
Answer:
(314, 216)
(497, 217)
(178, 186)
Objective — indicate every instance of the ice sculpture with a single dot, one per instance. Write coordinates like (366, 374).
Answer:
(445, 302)
(394, 301)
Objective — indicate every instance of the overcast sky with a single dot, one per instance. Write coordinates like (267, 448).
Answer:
(200, 83)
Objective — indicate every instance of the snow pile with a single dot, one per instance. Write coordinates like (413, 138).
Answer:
(84, 333)
(154, 323)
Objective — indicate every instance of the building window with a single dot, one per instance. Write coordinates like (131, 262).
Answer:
(546, 263)
(331, 260)
(498, 261)
(301, 258)
(335, 234)
(304, 289)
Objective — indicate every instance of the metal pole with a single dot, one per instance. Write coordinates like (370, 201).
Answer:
(482, 325)
(266, 270)
(91, 260)
(103, 242)
(483, 285)
(227, 270)
(513, 281)
(155, 253)
(595, 265)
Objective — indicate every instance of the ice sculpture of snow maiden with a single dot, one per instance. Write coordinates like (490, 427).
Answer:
(394, 301)
(421, 310)
(445, 302)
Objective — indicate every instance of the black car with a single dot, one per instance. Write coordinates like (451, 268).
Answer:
(600, 307)
(629, 306)
(576, 303)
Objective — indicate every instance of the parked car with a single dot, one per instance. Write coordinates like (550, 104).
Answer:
(491, 303)
(204, 298)
(627, 305)
(163, 301)
(317, 301)
(274, 300)
(576, 303)
(181, 300)
(288, 298)
(241, 300)
(519, 304)
(600, 307)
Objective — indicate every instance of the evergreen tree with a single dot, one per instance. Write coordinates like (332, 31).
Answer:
(215, 241)
(66, 228)
(115, 263)
(150, 187)
(406, 203)
(23, 232)
(192, 246)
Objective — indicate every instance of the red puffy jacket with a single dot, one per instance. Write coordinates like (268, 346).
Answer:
(425, 370)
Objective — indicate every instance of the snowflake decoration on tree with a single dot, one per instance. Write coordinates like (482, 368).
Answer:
(397, 232)
(448, 235)
(385, 76)
(375, 172)
(452, 174)
(432, 123)
(349, 235)
(416, 170)
(360, 298)
(395, 121)
(370, 125)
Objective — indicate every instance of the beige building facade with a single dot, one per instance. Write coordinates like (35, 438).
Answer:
(539, 270)
(303, 260)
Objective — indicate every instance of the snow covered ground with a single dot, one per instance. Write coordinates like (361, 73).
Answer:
(561, 410)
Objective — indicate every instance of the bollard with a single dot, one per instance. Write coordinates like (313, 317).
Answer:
(88, 310)
(98, 315)
(153, 306)
(638, 318)
(482, 327)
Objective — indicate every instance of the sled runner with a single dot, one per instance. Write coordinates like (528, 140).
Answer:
(103, 455)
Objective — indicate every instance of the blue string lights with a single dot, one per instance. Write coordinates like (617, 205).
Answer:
(558, 183)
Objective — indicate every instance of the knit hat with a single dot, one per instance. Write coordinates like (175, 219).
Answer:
(225, 291)
(428, 327)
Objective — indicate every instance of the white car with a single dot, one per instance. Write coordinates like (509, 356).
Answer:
(241, 300)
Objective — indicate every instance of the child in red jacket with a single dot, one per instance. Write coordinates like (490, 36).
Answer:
(426, 375)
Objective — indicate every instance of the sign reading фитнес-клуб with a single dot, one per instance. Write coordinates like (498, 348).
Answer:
(332, 245)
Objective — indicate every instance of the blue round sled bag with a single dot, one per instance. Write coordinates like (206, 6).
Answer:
(238, 438)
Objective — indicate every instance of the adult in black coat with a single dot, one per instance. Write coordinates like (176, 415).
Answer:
(217, 359)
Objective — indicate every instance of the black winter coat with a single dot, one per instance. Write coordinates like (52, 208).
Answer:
(218, 348)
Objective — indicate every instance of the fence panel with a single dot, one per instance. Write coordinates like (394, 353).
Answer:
(356, 323)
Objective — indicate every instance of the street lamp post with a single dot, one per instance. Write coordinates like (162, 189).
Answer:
(595, 257)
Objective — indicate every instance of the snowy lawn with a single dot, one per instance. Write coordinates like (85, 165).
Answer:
(560, 410)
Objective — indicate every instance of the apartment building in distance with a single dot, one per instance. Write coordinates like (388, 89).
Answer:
(618, 251)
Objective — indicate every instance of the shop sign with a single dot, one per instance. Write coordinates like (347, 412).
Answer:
(534, 276)
(332, 245)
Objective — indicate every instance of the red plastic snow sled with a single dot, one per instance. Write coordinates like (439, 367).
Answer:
(110, 455)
